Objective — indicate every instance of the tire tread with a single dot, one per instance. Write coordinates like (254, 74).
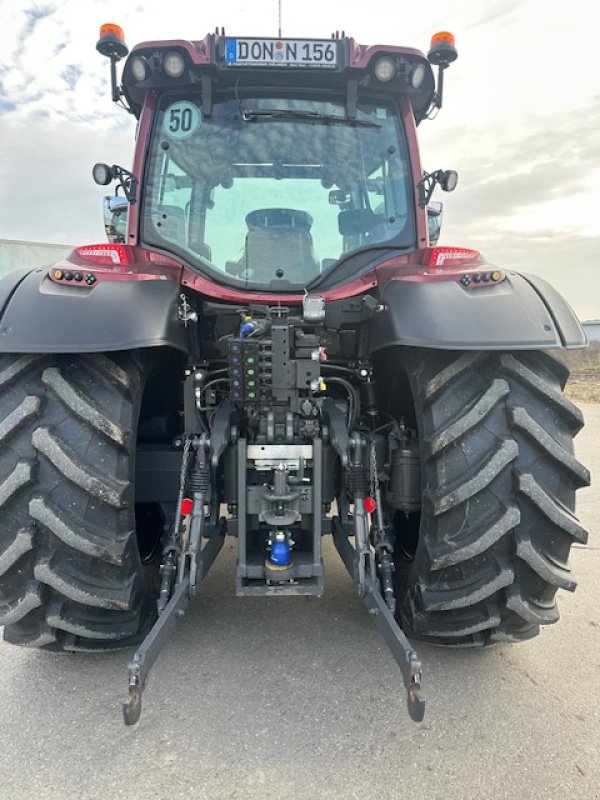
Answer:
(71, 577)
(500, 476)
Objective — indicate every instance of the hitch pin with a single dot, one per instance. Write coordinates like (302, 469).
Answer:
(133, 707)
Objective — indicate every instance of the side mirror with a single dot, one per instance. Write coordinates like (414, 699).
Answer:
(435, 213)
(115, 211)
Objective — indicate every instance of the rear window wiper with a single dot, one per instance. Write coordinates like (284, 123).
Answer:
(305, 116)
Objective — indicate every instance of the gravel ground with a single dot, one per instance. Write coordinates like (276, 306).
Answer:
(299, 698)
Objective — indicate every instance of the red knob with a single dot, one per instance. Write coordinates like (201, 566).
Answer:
(186, 506)
(370, 505)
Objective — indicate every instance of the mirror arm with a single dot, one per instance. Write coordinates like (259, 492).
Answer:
(127, 181)
(426, 186)
(430, 180)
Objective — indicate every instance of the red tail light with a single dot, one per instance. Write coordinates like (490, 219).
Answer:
(114, 254)
(451, 257)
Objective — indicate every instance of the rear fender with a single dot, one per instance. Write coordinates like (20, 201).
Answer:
(39, 315)
(522, 312)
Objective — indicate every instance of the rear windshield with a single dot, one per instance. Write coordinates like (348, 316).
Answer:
(271, 192)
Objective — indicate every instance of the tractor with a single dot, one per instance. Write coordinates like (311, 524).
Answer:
(272, 346)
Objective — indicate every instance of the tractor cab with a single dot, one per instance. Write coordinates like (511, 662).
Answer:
(271, 190)
(266, 163)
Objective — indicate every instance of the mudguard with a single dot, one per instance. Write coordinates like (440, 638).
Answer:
(38, 315)
(520, 313)
(9, 283)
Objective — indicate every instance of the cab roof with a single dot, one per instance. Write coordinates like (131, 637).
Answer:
(209, 64)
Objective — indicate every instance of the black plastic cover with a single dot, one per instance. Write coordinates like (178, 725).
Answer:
(8, 285)
(564, 317)
(518, 314)
(42, 316)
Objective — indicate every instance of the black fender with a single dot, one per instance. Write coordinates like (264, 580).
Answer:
(38, 315)
(8, 285)
(522, 312)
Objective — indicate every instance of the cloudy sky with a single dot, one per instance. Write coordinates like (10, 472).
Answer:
(521, 121)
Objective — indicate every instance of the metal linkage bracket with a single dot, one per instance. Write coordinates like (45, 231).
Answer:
(394, 636)
(194, 564)
(150, 649)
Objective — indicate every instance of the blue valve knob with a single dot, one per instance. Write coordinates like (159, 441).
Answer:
(246, 328)
(281, 553)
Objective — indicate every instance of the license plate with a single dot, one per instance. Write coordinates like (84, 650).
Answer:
(281, 53)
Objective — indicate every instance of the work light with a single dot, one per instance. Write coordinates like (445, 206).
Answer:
(139, 68)
(385, 69)
(174, 64)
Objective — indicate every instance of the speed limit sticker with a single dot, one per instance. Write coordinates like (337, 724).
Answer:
(181, 119)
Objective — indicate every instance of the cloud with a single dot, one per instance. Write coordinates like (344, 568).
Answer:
(511, 177)
(52, 196)
(32, 17)
(504, 193)
(567, 262)
(491, 18)
(6, 105)
(72, 74)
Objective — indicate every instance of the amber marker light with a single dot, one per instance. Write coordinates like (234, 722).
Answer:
(109, 29)
(443, 37)
(443, 49)
(112, 41)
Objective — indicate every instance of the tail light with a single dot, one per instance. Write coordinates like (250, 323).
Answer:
(113, 254)
(451, 257)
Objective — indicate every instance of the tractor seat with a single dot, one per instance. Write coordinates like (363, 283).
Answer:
(278, 246)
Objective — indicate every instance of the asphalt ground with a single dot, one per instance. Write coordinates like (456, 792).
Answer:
(299, 698)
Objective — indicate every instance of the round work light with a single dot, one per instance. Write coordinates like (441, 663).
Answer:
(449, 180)
(139, 68)
(174, 64)
(102, 174)
(417, 75)
(385, 69)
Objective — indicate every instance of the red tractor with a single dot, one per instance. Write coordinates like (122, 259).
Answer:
(272, 347)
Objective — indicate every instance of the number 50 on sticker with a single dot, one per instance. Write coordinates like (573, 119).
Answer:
(181, 119)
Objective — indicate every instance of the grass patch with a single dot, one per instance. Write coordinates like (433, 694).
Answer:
(583, 392)
(584, 383)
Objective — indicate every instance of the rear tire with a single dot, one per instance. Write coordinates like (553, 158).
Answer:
(499, 481)
(71, 576)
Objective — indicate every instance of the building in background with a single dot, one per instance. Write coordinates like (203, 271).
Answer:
(592, 329)
(15, 254)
